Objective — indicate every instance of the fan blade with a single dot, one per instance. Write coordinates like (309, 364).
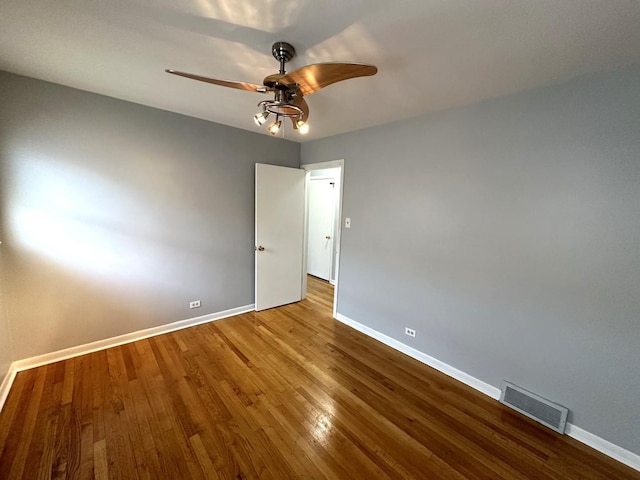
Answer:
(314, 77)
(223, 83)
(300, 102)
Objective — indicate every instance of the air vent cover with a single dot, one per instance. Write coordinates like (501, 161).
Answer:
(535, 407)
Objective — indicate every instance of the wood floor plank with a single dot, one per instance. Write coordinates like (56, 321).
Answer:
(101, 467)
(20, 445)
(280, 394)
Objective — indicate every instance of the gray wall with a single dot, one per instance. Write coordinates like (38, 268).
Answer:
(117, 215)
(6, 356)
(507, 234)
(5, 339)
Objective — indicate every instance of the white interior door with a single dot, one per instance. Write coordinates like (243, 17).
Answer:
(321, 225)
(280, 205)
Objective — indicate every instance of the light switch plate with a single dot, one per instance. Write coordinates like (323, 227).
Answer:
(347, 222)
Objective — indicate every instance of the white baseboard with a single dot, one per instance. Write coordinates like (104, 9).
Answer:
(612, 450)
(5, 386)
(71, 352)
(459, 375)
(600, 444)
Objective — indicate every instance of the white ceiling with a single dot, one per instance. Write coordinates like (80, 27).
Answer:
(431, 54)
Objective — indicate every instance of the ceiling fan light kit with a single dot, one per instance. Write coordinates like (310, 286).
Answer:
(288, 89)
(302, 127)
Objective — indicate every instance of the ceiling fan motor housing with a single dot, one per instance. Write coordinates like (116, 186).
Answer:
(283, 51)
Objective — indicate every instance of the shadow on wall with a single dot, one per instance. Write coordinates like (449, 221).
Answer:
(90, 225)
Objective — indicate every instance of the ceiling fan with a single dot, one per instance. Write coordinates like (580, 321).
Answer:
(289, 88)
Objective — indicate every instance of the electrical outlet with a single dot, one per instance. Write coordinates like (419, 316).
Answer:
(410, 331)
(194, 304)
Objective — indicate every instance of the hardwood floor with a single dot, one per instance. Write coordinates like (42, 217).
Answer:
(284, 393)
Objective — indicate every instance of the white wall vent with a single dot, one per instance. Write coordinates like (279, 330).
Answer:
(535, 407)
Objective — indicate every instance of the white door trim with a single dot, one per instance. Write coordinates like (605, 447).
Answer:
(338, 234)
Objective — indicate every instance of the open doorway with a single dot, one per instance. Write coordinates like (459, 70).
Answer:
(323, 228)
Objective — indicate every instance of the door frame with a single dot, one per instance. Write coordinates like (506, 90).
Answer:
(338, 233)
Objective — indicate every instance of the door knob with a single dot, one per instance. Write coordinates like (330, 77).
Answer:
(328, 237)
(260, 248)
